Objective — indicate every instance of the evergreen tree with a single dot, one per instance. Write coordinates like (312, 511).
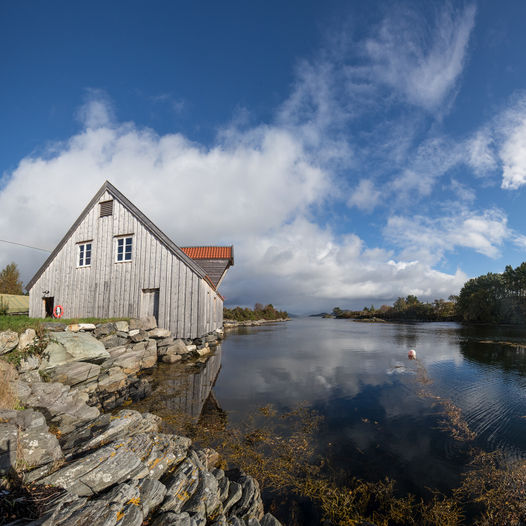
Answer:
(10, 280)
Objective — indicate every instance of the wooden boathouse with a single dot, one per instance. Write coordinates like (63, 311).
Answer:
(114, 262)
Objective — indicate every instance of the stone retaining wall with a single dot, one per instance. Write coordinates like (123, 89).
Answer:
(113, 470)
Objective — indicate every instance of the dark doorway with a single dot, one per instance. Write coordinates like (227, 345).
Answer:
(49, 304)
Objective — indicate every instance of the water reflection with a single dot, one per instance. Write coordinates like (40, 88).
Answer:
(357, 375)
(184, 388)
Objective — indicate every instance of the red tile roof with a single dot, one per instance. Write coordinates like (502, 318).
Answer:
(208, 252)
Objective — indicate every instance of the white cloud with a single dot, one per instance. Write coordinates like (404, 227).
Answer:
(429, 239)
(513, 156)
(421, 61)
(481, 156)
(256, 191)
(365, 196)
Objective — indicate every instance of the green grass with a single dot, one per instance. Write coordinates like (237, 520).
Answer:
(21, 323)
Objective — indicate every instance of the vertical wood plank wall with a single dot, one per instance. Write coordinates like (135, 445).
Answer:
(188, 306)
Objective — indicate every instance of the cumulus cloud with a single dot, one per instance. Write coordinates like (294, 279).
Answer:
(256, 191)
(513, 154)
(428, 239)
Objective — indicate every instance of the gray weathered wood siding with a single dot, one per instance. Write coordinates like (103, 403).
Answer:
(188, 305)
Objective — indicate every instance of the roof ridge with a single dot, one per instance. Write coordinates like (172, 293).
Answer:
(143, 219)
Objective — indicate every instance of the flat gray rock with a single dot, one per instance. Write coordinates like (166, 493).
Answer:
(159, 333)
(97, 471)
(73, 347)
(145, 324)
(74, 373)
(109, 428)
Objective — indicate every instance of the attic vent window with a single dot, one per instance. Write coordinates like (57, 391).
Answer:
(106, 208)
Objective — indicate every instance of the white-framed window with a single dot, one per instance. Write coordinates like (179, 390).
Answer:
(84, 254)
(124, 249)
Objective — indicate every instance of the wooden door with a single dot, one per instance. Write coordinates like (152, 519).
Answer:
(150, 303)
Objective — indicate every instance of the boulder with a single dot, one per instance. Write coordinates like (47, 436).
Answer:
(152, 493)
(8, 341)
(138, 335)
(69, 347)
(37, 447)
(203, 351)
(165, 342)
(26, 339)
(112, 340)
(250, 504)
(110, 428)
(74, 373)
(159, 334)
(29, 363)
(235, 491)
(31, 446)
(122, 326)
(177, 347)
(145, 324)
(113, 380)
(64, 408)
(104, 329)
(205, 500)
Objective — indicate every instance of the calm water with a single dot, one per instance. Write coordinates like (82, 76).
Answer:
(358, 377)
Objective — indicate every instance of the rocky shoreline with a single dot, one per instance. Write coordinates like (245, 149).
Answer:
(107, 469)
(232, 324)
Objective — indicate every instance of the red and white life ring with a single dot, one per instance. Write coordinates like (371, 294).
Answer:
(58, 311)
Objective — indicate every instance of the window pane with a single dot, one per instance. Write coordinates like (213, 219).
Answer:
(127, 256)
(81, 255)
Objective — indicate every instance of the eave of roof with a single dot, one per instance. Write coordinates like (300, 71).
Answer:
(147, 223)
(210, 252)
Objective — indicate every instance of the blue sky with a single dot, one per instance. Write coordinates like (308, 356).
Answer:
(353, 152)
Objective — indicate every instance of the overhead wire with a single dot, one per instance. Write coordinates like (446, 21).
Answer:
(26, 246)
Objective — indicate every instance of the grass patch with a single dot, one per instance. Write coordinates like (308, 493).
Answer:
(20, 323)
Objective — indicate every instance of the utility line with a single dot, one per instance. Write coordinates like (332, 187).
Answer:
(22, 245)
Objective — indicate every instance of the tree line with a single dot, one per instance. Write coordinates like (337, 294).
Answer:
(490, 298)
(260, 312)
(409, 308)
(495, 298)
